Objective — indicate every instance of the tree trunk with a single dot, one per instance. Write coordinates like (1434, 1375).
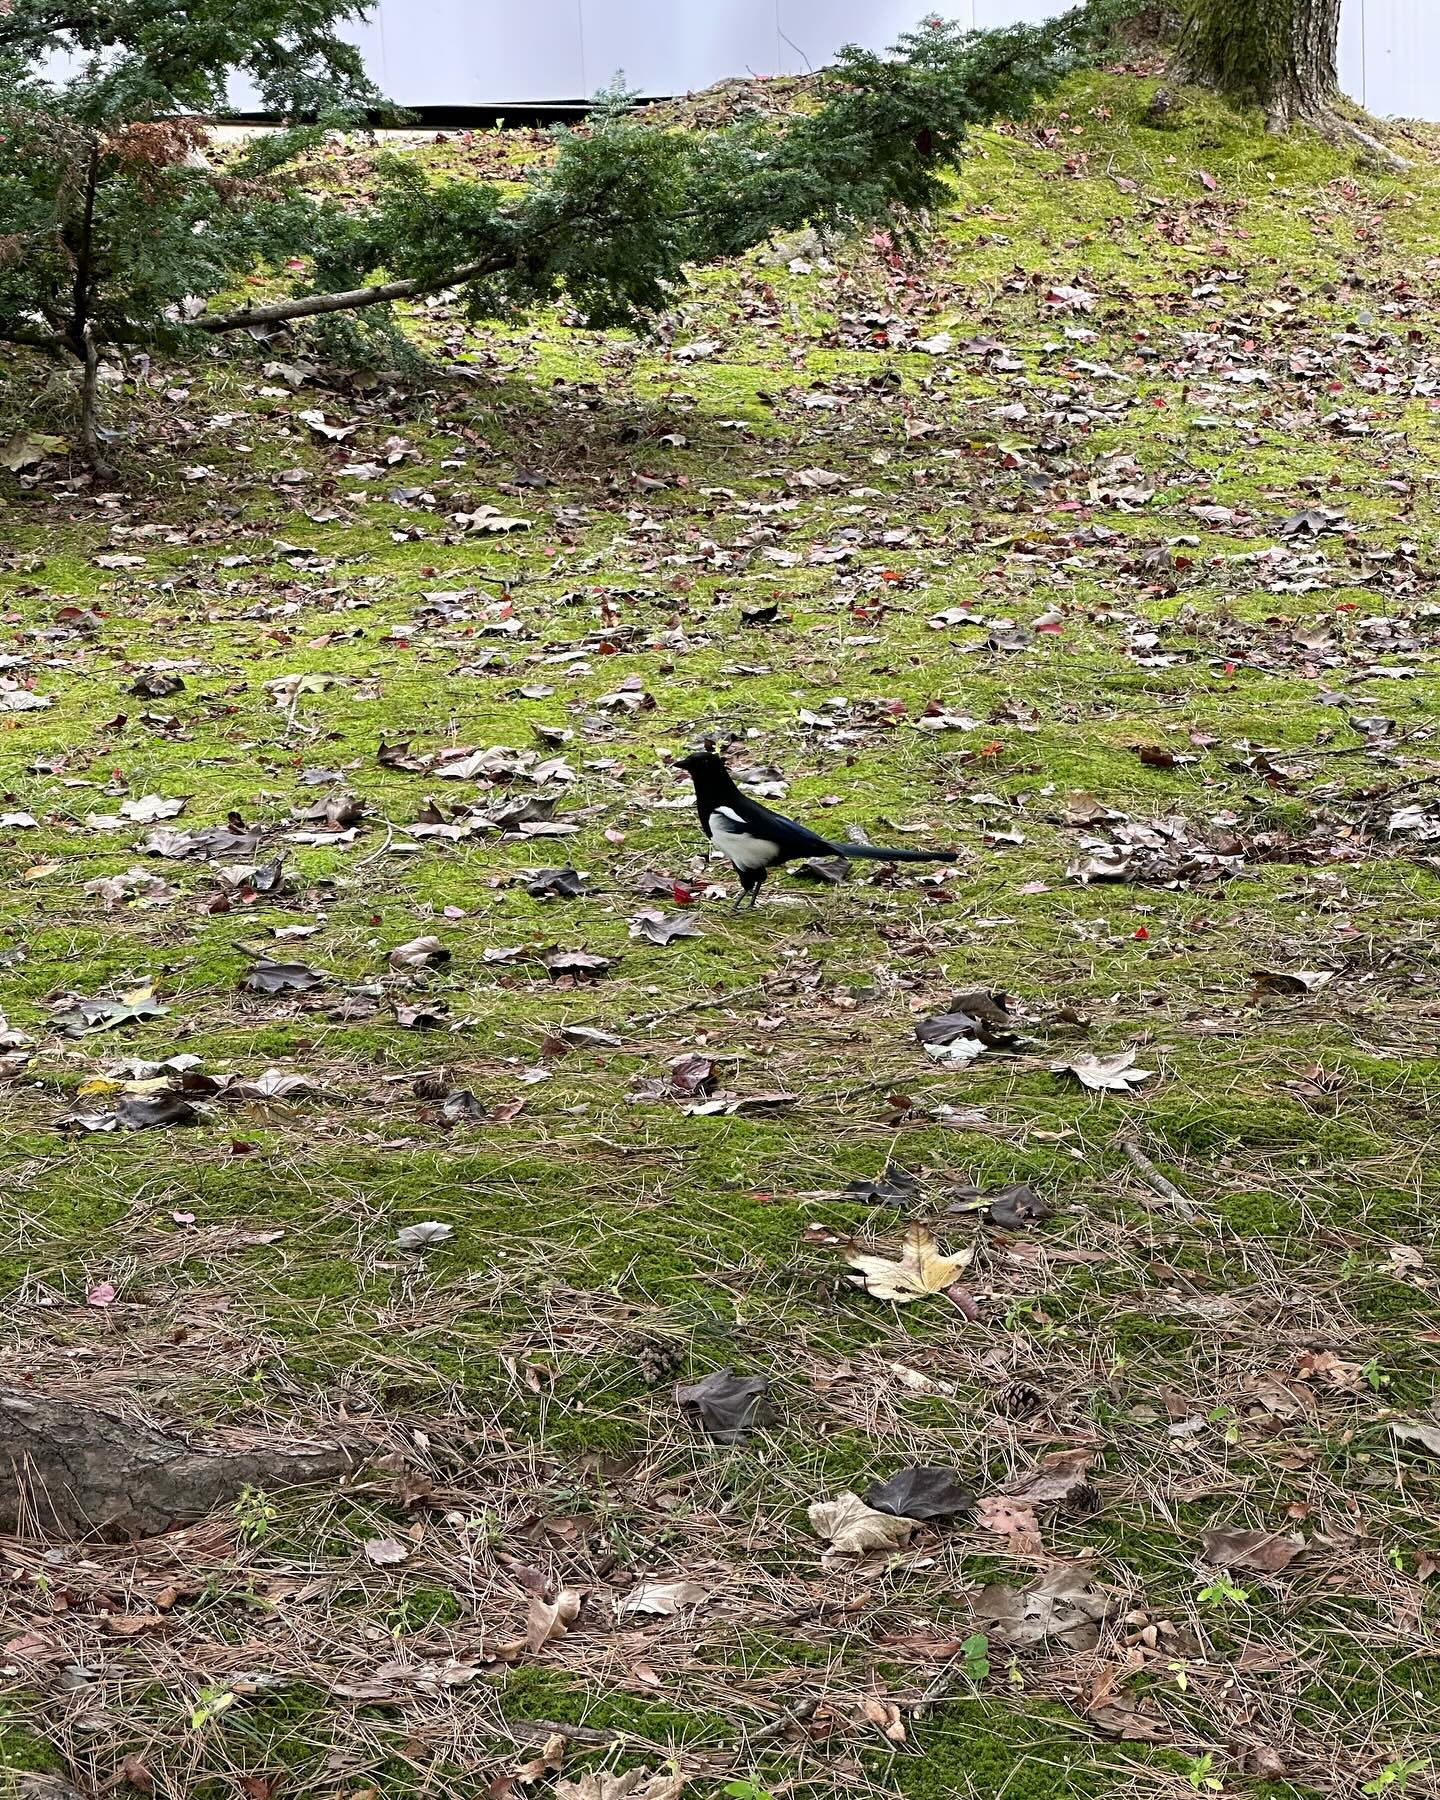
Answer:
(89, 391)
(1279, 55)
(80, 334)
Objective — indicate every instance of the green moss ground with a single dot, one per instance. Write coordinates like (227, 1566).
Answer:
(1301, 1129)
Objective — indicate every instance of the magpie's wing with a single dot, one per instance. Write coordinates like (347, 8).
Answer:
(794, 839)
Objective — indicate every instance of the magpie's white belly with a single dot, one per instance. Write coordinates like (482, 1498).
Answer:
(745, 850)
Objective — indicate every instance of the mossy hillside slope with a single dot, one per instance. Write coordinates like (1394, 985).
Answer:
(1166, 489)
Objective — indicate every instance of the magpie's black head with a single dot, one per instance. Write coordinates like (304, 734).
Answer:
(701, 762)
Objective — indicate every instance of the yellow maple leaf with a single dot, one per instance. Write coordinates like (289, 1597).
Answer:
(921, 1269)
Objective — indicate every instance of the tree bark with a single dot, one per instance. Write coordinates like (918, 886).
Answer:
(1279, 55)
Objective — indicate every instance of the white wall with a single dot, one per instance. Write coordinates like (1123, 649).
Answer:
(506, 52)
(1390, 56)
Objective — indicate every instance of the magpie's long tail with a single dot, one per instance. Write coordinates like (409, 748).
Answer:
(876, 854)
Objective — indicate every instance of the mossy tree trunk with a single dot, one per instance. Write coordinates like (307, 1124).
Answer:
(1280, 55)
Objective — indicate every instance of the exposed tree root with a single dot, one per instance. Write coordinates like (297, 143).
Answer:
(69, 1466)
(1336, 128)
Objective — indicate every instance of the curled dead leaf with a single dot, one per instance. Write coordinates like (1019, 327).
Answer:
(1059, 1477)
(663, 1599)
(549, 1762)
(551, 1619)
(385, 1551)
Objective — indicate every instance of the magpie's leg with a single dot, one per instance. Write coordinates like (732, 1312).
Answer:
(758, 883)
(740, 899)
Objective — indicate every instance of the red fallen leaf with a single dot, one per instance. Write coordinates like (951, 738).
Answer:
(134, 1771)
(507, 1110)
(963, 1301)
(1207, 180)
(681, 894)
(1143, 935)
(1011, 1519)
(238, 1147)
(102, 1294)
(822, 1236)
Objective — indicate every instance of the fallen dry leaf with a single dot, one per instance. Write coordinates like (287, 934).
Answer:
(1416, 1431)
(1062, 1604)
(633, 1784)
(730, 1405)
(851, 1527)
(921, 1269)
(1230, 1547)
(662, 1598)
(549, 1762)
(384, 1551)
(423, 1235)
(1105, 1074)
(885, 1714)
(920, 1493)
(1060, 1476)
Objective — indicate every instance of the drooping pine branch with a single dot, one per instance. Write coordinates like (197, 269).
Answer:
(627, 208)
(310, 306)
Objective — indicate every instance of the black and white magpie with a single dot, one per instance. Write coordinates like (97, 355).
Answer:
(757, 840)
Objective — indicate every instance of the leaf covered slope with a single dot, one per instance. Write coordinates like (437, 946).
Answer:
(1096, 540)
